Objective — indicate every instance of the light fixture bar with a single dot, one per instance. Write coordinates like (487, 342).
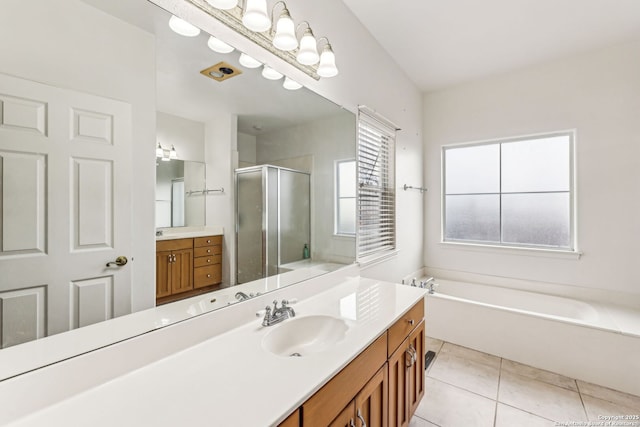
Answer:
(232, 18)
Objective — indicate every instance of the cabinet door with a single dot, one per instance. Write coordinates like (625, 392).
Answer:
(372, 401)
(416, 370)
(398, 407)
(346, 417)
(182, 271)
(163, 273)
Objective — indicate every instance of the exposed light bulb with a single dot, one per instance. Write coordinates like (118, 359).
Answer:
(290, 84)
(327, 66)
(285, 37)
(182, 27)
(270, 73)
(217, 45)
(223, 4)
(308, 53)
(249, 61)
(255, 16)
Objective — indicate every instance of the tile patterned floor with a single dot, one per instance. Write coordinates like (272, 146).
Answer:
(468, 388)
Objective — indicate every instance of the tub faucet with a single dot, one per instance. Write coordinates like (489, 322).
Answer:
(429, 284)
(278, 314)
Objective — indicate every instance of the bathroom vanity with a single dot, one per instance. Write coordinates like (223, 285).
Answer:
(187, 266)
(225, 368)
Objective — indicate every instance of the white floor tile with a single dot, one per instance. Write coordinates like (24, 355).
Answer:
(539, 374)
(449, 406)
(467, 353)
(597, 407)
(465, 373)
(419, 422)
(546, 400)
(610, 395)
(507, 416)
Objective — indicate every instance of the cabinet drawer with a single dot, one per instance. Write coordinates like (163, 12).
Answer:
(208, 250)
(174, 245)
(204, 261)
(205, 276)
(329, 401)
(207, 241)
(401, 329)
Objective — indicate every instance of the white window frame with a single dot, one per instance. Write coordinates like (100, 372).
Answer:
(337, 198)
(571, 251)
(375, 245)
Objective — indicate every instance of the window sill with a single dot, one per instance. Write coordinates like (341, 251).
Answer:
(511, 250)
(344, 236)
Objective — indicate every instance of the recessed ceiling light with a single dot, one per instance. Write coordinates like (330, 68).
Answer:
(182, 27)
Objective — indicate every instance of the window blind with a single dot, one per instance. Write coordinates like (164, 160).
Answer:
(376, 185)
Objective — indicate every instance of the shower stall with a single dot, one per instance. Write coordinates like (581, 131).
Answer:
(273, 220)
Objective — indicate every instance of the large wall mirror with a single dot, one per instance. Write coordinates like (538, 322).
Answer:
(215, 127)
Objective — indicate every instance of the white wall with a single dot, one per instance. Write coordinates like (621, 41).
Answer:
(246, 150)
(187, 136)
(221, 156)
(64, 44)
(323, 141)
(596, 93)
(368, 76)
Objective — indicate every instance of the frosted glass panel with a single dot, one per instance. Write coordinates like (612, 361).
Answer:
(347, 179)
(347, 216)
(536, 219)
(536, 165)
(475, 217)
(473, 169)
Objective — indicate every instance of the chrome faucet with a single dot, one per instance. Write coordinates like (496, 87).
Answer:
(278, 314)
(429, 284)
(241, 296)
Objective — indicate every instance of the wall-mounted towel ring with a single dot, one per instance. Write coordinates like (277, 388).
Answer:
(408, 187)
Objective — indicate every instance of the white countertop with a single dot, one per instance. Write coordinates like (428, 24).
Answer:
(189, 232)
(230, 380)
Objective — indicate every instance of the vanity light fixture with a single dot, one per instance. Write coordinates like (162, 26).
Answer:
(270, 73)
(223, 4)
(255, 16)
(285, 34)
(327, 66)
(248, 61)
(182, 27)
(164, 154)
(159, 150)
(217, 45)
(308, 53)
(291, 84)
(173, 154)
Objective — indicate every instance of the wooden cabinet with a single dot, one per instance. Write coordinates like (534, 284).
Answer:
(381, 387)
(187, 267)
(406, 366)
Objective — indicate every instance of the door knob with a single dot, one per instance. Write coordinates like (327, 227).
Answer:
(120, 261)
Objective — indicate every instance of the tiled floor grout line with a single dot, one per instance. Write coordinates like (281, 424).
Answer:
(584, 407)
(495, 412)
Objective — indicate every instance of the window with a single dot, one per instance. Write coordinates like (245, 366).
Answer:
(345, 217)
(376, 185)
(515, 192)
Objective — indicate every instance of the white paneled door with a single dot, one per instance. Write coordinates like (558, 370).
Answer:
(65, 209)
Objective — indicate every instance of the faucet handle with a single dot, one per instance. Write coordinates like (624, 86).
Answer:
(289, 301)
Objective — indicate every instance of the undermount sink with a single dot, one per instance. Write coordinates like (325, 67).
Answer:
(304, 335)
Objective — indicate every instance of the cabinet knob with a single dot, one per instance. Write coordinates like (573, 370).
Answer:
(411, 322)
(208, 259)
(208, 275)
(208, 251)
(208, 241)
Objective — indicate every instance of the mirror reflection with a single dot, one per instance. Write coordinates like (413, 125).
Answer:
(215, 128)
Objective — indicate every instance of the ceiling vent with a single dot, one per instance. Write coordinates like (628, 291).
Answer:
(221, 71)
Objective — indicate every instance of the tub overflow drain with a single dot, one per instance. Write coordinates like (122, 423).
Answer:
(295, 355)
